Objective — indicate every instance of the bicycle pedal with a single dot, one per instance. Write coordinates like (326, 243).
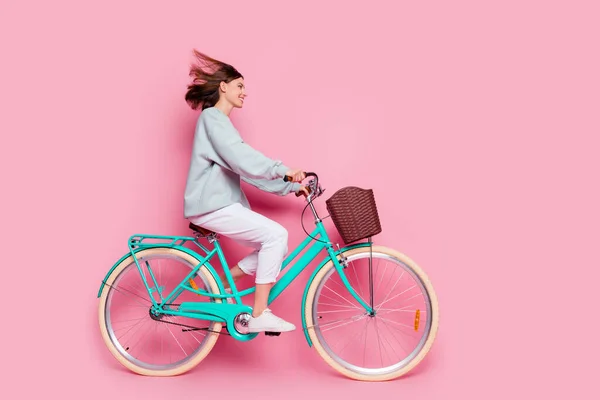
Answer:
(272, 333)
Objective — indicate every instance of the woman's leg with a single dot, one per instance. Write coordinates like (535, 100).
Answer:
(261, 297)
(246, 266)
(270, 238)
(236, 273)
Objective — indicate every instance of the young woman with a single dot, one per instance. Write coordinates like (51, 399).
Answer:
(213, 196)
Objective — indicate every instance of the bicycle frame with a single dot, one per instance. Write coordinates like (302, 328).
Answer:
(224, 312)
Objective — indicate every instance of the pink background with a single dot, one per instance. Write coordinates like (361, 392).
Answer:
(475, 123)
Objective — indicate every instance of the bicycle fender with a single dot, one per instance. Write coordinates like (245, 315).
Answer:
(312, 277)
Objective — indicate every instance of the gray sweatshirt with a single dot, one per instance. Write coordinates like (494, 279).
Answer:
(220, 160)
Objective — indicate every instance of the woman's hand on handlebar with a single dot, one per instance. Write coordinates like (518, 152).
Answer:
(294, 175)
(303, 191)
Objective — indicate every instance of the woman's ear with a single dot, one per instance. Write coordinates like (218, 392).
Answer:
(223, 86)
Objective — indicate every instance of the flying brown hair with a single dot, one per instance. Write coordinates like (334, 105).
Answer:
(207, 75)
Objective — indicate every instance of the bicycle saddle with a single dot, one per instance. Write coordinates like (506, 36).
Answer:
(201, 230)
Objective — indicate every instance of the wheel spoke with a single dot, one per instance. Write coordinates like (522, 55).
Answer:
(378, 342)
(345, 289)
(143, 322)
(400, 294)
(339, 302)
(136, 295)
(391, 310)
(341, 306)
(365, 347)
(391, 347)
(394, 336)
(358, 282)
(180, 346)
(131, 325)
(335, 321)
(340, 296)
(361, 333)
(393, 287)
(399, 325)
(352, 319)
(336, 311)
(129, 320)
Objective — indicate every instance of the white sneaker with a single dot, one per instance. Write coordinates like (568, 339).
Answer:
(269, 322)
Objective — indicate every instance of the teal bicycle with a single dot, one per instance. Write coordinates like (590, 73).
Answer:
(369, 311)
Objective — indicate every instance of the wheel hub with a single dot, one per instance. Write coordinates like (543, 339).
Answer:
(154, 314)
(241, 322)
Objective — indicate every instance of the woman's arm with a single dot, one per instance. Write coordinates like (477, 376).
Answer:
(239, 156)
(277, 186)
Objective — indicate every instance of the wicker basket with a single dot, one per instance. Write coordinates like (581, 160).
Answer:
(354, 213)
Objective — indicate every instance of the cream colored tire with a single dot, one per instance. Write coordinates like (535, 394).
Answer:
(337, 365)
(211, 337)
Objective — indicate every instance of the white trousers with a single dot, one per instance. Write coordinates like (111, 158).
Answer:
(267, 237)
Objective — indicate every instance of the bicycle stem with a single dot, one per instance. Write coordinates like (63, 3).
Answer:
(312, 208)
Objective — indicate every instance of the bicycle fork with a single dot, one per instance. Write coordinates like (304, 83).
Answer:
(371, 275)
(340, 267)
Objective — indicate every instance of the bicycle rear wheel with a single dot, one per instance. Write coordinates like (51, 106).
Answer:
(149, 344)
(376, 347)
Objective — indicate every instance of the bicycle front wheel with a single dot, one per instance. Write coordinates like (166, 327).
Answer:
(150, 344)
(390, 342)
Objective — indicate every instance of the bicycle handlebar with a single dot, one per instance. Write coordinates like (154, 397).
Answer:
(313, 187)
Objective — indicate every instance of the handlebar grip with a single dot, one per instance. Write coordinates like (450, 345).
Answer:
(298, 194)
(306, 174)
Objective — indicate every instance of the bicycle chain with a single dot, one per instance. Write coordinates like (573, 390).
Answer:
(190, 328)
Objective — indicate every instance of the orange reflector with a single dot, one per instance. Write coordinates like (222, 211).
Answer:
(193, 285)
(417, 318)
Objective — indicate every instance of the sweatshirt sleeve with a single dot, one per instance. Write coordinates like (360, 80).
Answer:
(278, 186)
(239, 156)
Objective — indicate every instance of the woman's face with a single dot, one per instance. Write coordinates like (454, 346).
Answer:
(234, 92)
